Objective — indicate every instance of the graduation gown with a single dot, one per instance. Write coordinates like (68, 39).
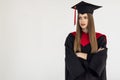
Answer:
(94, 68)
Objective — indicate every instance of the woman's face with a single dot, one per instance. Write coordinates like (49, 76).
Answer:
(83, 20)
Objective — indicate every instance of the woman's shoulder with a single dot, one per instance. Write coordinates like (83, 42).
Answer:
(101, 39)
(70, 38)
(100, 35)
(71, 34)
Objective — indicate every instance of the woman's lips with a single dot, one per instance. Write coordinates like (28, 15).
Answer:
(82, 24)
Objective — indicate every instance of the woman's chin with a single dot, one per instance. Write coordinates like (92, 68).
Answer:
(83, 27)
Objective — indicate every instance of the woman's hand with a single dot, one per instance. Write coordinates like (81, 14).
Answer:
(82, 55)
(100, 49)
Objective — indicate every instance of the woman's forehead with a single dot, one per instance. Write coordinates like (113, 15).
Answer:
(85, 14)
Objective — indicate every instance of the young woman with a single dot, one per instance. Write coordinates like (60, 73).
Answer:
(85, 49)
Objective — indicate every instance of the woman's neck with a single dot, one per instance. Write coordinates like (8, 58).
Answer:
(85, 30)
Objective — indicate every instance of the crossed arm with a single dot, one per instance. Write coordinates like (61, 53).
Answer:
(84, 55)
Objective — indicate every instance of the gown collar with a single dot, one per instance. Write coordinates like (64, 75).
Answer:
(85, 37)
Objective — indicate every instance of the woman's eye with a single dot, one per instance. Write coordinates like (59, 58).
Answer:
(85, 17)
(79, 17)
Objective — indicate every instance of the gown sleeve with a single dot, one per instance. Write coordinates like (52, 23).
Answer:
(98, 60)
(72, 63)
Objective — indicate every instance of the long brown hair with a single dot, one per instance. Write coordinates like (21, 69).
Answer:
(91, 33)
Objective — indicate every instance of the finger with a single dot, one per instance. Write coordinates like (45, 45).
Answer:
(100, 49)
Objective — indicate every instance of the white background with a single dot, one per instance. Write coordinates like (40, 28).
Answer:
(32, 35)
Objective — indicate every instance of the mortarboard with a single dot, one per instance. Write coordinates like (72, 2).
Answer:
(84, 7)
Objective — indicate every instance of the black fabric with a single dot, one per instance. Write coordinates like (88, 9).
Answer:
(84, 7)
(76, 68)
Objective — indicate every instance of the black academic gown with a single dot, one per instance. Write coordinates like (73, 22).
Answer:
(94, 68)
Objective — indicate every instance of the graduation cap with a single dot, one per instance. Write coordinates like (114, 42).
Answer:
(84, 7)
